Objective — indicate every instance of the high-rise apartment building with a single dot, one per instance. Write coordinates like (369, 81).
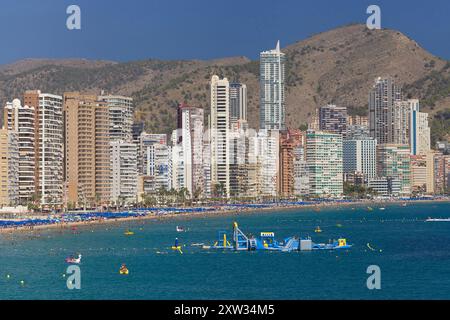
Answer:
(146, 157)
(360, 156)
(124, 172)
(290, 141)
(357, 132)
(272, 91)
(21, 119)
(324, 159)
(120, 116)
(333, 119)
(243, 160)
(190, 139)
(441, 173)
(87, 150)
(382, 100)
(219, 127)
(9, 168)
(49, 146)
(268, 156)
(393, 161)
(238, 102)
(355, 120)
(156, 165)
(419, 130)
(422, 173)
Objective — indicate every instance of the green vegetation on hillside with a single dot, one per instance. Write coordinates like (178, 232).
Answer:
(440, 126)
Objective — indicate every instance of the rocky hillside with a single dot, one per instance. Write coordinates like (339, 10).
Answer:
(338, 66)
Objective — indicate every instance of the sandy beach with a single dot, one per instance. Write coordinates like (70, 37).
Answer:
(222, 211)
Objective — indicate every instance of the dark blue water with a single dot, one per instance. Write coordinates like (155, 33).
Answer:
(414, 257)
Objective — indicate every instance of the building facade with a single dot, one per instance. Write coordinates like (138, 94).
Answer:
(393, 161)
(360, 156)
(325, 164)
(124, 172)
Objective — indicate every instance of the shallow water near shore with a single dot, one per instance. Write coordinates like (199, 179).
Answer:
(414, 257)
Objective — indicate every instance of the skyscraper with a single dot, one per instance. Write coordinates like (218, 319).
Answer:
(324, 159)
(87, 151)
(272, 95)
(49, 146)
(382, 100)
(219, 126)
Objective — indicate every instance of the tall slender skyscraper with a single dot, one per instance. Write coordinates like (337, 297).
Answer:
(219, 127)
(382, 100)
(272, 97)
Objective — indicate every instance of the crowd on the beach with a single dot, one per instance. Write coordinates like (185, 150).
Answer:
(72, 218)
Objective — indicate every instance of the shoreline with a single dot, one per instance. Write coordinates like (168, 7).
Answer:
(223, 212)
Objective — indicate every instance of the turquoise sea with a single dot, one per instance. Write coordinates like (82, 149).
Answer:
(414, 257)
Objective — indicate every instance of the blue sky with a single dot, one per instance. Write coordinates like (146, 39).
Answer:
(199, 29)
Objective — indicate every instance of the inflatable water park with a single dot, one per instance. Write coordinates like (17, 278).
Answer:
(266, 241)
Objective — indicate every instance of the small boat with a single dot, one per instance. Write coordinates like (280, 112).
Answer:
(197, 244)
(180, 229)
(404, 204)
(123, 269)
(382, 209)
(128, 233)
(369, 209)
(74, 260)
(318, 230)
(438, 220)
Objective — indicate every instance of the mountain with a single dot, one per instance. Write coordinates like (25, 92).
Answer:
(337, 66)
